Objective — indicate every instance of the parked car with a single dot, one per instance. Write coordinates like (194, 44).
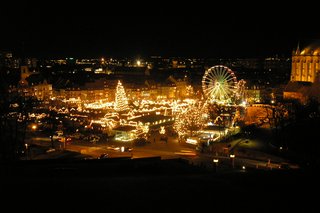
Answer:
(140, 141)
(113, 147)
(103, 156)
(59, 133)
(77, 135)
(128, 149)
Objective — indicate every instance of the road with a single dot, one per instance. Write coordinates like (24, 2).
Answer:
(249, 152)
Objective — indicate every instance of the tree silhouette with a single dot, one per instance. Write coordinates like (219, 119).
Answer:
(52, 125)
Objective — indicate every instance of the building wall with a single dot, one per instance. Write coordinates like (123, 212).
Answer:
(42, 91)
(181, 89)
(295, 96)
(305, 67)
(86, 94)
(167, 92)
(253, 95)
(24, 74)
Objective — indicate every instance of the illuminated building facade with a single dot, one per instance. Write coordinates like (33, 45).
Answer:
(304, 81)
(42, 91)
(305, 64)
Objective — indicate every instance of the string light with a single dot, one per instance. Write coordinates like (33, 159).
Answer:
(162, 130)
(192, 119)
(121, 102)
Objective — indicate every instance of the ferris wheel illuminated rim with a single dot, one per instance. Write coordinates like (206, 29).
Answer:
(219, 83)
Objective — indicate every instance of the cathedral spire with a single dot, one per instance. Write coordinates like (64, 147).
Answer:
(298, 48)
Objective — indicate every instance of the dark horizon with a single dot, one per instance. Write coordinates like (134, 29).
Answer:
(87, 35)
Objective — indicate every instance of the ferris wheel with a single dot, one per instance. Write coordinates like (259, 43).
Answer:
(219, 84)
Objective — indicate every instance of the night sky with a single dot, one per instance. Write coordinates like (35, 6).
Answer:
(52, 32)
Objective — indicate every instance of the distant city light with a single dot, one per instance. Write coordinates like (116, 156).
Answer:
(138, 63)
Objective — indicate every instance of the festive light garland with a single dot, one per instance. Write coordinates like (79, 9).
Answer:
(121, 102)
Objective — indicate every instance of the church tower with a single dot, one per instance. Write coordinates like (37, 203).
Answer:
(23, 75)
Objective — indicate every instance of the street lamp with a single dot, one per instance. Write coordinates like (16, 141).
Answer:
(26, 145)
(215, 163)
(232, 156)
(34, 127)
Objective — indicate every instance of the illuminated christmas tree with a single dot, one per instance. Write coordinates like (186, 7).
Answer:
(192, 119)
(121, 102)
